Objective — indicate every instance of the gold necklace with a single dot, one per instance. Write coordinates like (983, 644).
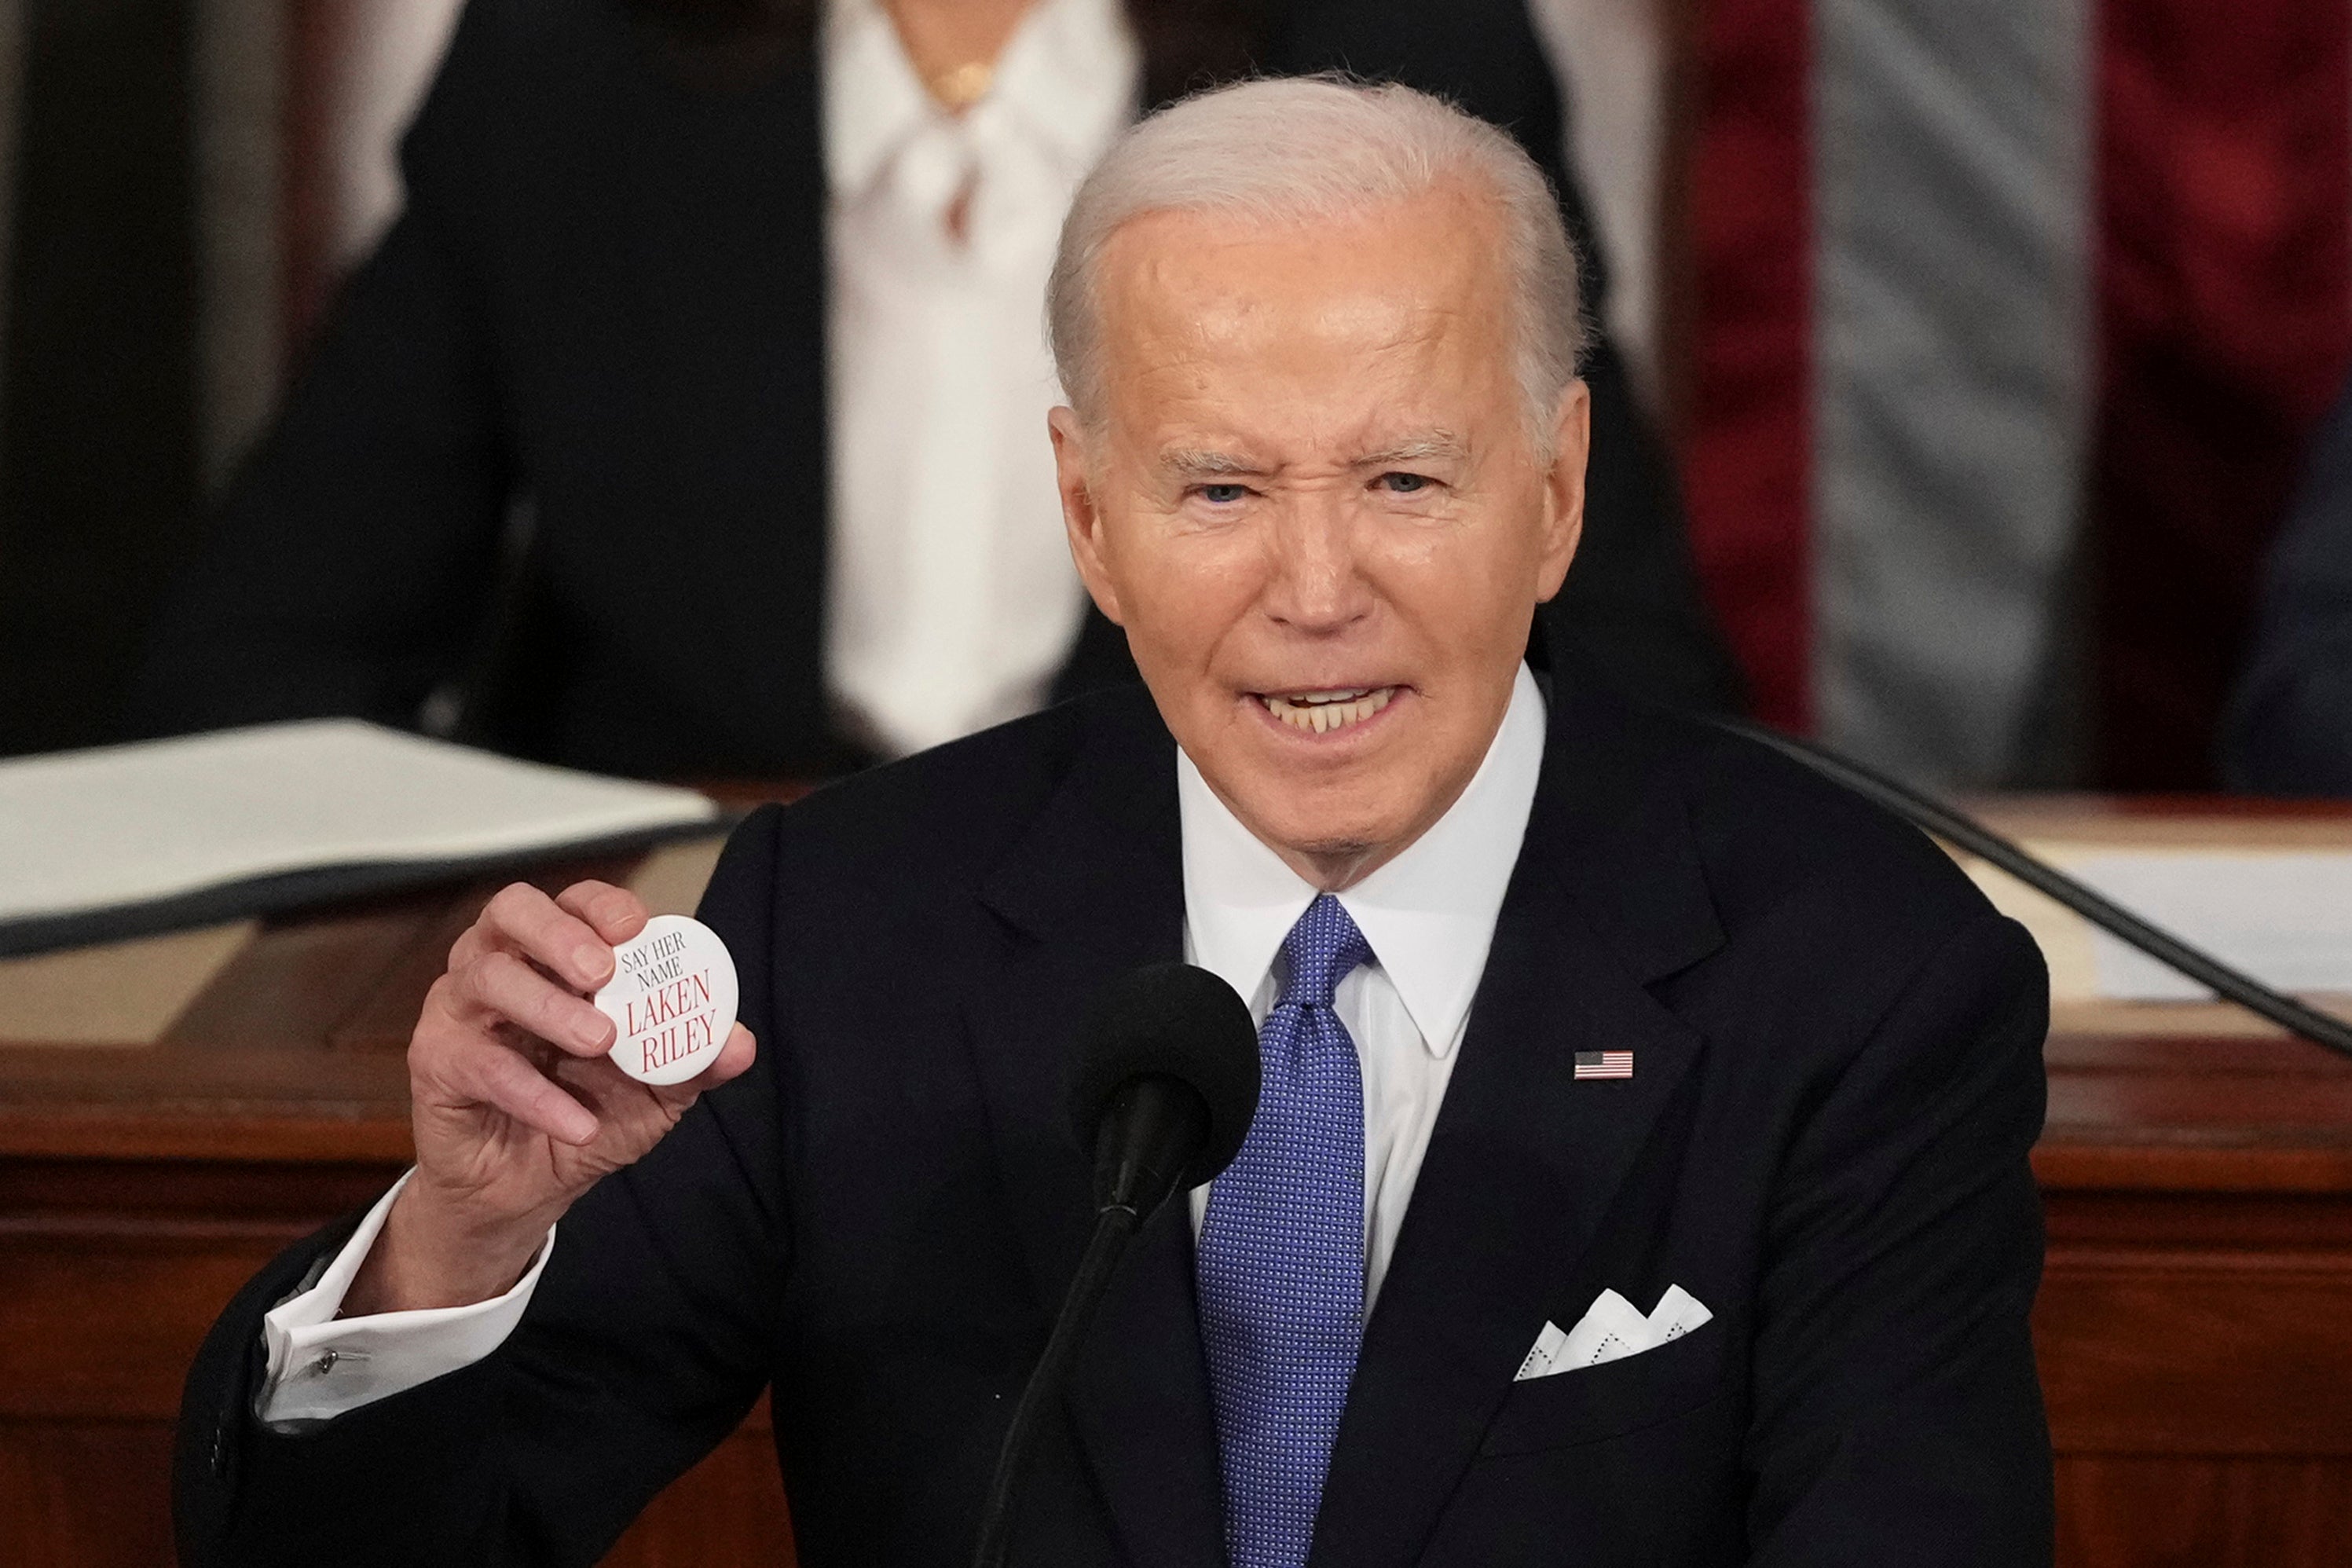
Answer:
(960, 88)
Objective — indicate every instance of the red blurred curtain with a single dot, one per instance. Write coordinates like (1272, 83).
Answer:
(2224, 257)
(1746, 419)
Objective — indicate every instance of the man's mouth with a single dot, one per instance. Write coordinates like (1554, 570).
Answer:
(1320, 712)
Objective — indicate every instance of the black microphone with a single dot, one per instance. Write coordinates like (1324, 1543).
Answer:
(1165, 1086)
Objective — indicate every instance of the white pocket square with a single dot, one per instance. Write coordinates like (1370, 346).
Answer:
(1613, 1327)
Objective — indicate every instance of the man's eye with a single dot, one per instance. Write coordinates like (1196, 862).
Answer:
(1405, 484)
(1222, 495)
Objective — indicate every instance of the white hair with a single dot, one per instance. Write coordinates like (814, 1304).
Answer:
(1295, 150)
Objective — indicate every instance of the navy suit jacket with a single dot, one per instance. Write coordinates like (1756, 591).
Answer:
(604, 305)
(1837, 1082)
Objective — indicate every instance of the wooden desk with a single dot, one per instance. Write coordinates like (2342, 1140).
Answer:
(142, 1183)
(2195, 1323)
(2194, 1328)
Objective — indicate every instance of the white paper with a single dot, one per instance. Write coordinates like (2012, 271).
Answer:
(126, 824)
(2285, 918)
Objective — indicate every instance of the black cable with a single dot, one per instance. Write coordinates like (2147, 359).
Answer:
(1950, 825)
(1114, 1227)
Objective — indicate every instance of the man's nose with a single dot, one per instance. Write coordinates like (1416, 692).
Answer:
(1317, 583)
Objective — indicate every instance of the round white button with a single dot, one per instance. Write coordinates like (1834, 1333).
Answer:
(672, 997)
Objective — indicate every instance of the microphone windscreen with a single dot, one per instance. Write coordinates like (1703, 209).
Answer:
(1177, 1021)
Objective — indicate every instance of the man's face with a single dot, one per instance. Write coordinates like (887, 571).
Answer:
(1315, 504)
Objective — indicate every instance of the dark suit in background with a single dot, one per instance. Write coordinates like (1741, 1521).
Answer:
(602, 315)
(2289, 727)
(1837, 1082)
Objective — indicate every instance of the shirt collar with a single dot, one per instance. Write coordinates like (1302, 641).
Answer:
(1429, 914)
(1068, 80)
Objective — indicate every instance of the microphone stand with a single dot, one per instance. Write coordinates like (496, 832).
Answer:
(1149, 1132)
(1934, 816)
(1114, 1228)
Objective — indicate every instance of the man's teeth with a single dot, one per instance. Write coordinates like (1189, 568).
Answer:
(1323, 711)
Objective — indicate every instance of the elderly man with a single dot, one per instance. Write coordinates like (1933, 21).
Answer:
(1584, 1032)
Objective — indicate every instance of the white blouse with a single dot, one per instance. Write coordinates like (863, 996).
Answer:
(951, 601)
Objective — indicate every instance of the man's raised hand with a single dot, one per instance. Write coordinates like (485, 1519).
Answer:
(517, 1110)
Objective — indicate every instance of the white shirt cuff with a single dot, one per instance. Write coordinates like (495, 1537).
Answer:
(321, 1366)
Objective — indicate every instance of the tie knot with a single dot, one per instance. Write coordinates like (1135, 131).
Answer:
(1321, 951)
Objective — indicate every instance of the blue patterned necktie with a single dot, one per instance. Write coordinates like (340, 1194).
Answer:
(1281, 1261)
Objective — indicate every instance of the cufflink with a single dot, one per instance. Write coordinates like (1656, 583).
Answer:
(328, 1360)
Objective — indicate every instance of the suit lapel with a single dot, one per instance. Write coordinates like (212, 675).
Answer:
(1525, 1160)
(1096, 889)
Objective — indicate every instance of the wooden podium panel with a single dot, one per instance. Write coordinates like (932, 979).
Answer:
(142, 1183)
(2194, 1328)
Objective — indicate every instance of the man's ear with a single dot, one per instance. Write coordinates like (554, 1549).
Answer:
(1563, 523)
(1081, 519)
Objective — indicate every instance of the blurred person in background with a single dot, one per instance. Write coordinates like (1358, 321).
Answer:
(2289, 728)
(687, 421)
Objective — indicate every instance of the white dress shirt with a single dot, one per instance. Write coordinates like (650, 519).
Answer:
(1428, 916)
(951, 601)
(320, 1365)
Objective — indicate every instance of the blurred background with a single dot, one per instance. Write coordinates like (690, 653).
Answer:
(1988, 340)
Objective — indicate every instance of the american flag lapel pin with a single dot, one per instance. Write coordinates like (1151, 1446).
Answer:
(1604, 1064)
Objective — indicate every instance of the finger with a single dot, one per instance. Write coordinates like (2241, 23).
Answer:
(505, 987)
(615, 913)
(471, 943)
(735, 1058)
(632, 1113)
(522, 918)
(498, 1077)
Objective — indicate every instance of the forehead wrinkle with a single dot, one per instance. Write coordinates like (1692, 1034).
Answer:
(1323, 364)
